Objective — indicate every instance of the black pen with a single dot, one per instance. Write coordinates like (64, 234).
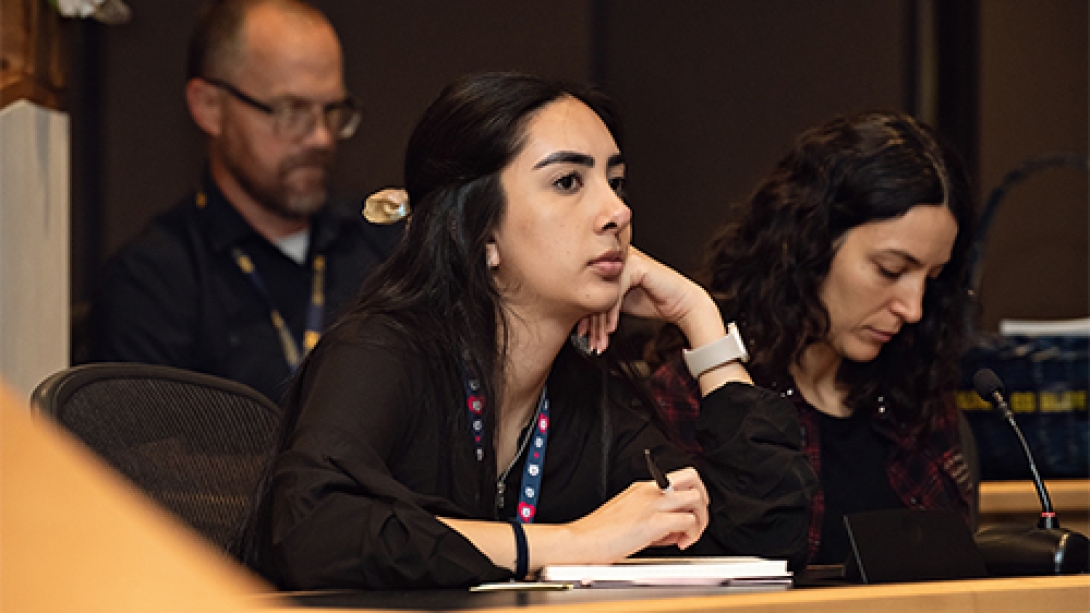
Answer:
(656, 473)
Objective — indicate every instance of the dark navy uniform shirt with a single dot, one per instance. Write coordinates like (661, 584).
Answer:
(176, 295)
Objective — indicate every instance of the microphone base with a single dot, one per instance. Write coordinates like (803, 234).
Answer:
(1018, 551)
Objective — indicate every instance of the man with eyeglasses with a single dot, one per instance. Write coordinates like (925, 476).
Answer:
(240, 278)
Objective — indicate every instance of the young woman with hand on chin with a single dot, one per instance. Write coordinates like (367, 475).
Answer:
(446, 431)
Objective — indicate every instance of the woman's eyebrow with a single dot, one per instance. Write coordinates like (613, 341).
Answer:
(582, 159)
(566, 157)
(909, 257)
(905, 255)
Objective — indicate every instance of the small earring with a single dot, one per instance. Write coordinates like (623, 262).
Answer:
(492, 259)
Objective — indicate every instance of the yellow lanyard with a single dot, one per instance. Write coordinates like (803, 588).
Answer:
(292, 353)
(315, 313)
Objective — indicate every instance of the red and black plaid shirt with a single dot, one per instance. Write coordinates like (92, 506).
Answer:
(926, 473)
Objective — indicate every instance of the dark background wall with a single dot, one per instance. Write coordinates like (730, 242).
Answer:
(140, 152)
(1033, 100)
(712, 92)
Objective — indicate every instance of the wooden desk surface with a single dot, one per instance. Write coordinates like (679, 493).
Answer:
(74, 536)
(1021, 496)
(77, 538)
(1041, 594)
(1016, 502)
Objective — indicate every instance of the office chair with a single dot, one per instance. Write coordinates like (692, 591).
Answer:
(195, 443)
(972, 460)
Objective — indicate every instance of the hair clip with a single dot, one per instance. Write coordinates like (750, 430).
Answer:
(386, 206)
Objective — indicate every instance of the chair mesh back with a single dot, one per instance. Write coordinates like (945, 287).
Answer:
(196, 449)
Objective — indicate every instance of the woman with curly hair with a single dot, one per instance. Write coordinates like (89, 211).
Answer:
(846, 275)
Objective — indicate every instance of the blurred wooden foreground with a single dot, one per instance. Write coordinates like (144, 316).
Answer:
(75, 536)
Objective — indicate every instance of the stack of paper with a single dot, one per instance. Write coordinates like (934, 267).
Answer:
(671, 571)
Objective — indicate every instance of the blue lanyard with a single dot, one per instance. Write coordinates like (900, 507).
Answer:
(292, 352)
(535, 455)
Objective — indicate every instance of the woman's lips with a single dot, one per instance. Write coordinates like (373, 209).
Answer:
(609, 265)
(880, 336)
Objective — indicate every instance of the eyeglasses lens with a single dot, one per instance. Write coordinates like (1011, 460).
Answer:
(297, 120)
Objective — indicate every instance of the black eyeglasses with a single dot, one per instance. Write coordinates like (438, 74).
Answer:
(294, 118)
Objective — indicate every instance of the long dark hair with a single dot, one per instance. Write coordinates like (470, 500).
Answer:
(437, 284)
(436, 287)
(767, 266)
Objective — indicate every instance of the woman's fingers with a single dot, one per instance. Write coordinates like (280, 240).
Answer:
(601, 333)
(643, 515)
(686, 504)
(683, 519)
(656, 290)
(597, 329)
(648, 289)
(687, 480)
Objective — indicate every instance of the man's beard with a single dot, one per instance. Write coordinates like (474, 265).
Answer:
(278, 196)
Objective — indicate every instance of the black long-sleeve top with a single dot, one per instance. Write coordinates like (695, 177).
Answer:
(382, 446)
(176, 296)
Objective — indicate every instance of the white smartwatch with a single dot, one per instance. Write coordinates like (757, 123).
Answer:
(730, 348)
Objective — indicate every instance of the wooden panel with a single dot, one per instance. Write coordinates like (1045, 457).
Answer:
(34, 319)
(31, 58)
(1017, 502)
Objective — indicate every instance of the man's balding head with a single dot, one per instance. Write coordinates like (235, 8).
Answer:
(218, 42)
(252, 63)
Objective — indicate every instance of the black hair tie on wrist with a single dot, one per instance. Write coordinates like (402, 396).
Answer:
(522, 550)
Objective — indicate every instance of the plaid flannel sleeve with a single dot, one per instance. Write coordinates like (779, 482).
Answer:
(677, 395)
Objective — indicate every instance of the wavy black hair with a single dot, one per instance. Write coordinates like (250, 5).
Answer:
(767, 266)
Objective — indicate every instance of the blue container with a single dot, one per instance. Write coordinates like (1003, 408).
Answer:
(1046, 380)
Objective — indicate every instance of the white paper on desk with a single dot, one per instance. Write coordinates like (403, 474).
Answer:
(1053, 327)
(669, 571)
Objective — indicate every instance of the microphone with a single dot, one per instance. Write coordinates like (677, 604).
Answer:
(990, 388)
(1047, 549)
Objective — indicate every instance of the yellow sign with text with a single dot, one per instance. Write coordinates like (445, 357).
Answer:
(1028, 402)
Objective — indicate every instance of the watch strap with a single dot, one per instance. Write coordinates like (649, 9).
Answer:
(729, 348)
